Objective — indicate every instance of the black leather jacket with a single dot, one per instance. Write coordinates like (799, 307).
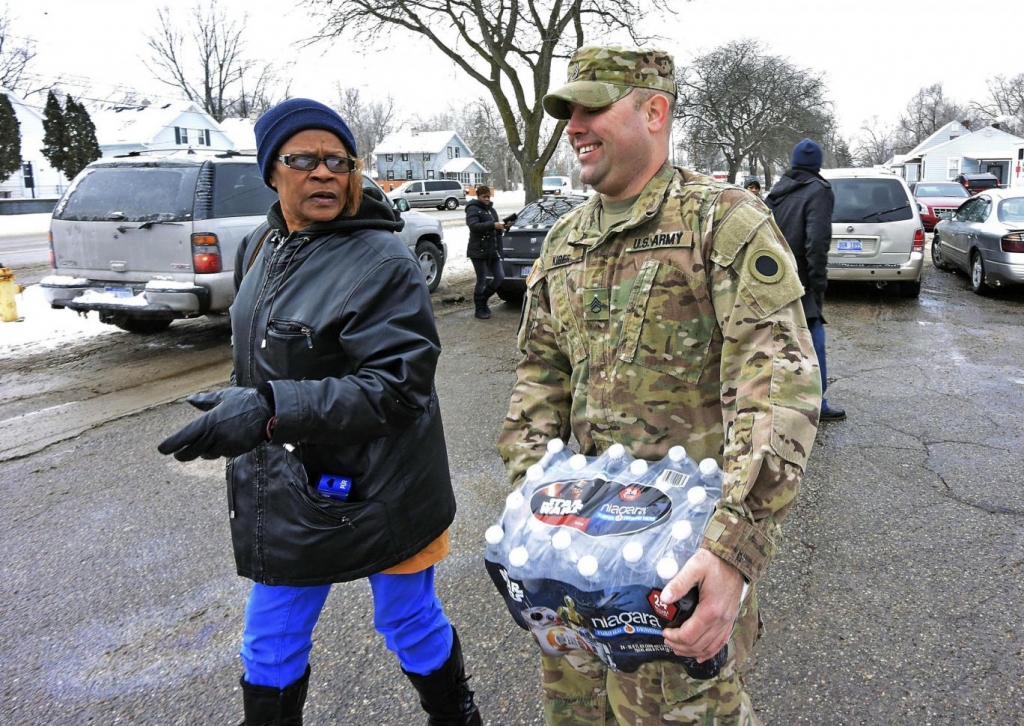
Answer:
(484, 239)
(802, 204)
(335, 322)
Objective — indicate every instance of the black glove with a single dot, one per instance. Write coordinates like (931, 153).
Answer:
(235, 422)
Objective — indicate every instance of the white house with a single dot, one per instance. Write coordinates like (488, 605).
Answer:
(1017, 171)
(427, 155)
(909, 165)
(985, 150)
(47, 181)
(174, 126)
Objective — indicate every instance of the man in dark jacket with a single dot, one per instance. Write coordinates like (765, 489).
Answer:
(802, 203)
(484, 248)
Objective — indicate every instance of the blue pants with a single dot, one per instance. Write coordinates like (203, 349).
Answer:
(482, 268)
(279, 622)
(818, 338)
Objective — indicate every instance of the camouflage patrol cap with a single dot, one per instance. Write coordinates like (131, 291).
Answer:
(599, 75)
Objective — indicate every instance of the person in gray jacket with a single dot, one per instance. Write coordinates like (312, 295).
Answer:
(337, 468)
(802, 203)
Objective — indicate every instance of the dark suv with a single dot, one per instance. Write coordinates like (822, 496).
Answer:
(975, 183)
(521, 243)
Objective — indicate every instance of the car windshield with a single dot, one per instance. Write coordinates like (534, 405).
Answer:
(1011, 211)
(131, 194)
(553, 181)
(870, 200)
(943, 189)
(544, 212)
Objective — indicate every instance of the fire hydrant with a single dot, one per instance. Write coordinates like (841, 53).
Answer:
(8, 289)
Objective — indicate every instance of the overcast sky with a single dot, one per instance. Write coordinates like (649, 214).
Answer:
(875, 53)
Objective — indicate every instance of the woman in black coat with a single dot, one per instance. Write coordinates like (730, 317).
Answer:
(337, 468)
(484, 248)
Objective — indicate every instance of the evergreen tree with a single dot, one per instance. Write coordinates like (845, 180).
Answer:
(10, 139)
(81, 135)
(55, 141)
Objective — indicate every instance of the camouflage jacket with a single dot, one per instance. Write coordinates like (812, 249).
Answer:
(681, 325)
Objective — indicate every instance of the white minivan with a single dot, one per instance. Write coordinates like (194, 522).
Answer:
(556, 185)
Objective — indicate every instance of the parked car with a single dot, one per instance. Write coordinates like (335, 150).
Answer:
(975, 183)
(556, 185)
(145, 240)
(985, 239)
(522, 242)
(877, 234)
(437, 193)
(422, 234)
(937, 200)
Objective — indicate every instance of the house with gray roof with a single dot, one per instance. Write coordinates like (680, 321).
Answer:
(427, 155)
(986, 150)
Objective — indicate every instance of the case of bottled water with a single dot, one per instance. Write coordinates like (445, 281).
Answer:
(585, 545)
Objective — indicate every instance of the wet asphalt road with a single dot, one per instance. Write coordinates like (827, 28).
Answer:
(896, 597)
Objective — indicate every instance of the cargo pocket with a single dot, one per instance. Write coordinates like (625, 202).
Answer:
(668, 322)
(563, 287)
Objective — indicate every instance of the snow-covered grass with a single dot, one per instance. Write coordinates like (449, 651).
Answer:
(13, 225)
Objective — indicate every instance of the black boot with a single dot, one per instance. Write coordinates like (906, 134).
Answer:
(269, 706)
(482, 311)
(444, 694)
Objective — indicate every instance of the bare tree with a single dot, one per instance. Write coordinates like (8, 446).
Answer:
(875, 144)
(745, 102)
(927, 111)
(15, 55)
(1005, 103)
(481, 128)
(507, 46)
(208, 63)
(369, 121)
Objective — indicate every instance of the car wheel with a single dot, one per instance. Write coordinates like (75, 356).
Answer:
(451, 203)
(910, 288)
(978, 274)
(937, 262)
(430, 263)
(141, 326)
(511, 296)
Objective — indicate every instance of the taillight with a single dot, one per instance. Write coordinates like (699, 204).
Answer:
(205, 254)
(1013, 242)
(918, 240)
(53, 257)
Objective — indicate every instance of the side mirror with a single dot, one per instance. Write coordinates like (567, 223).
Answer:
(402, 205)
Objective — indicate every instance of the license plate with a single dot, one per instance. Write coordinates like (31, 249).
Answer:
(118, 291)
(850, 245)
(525, 270)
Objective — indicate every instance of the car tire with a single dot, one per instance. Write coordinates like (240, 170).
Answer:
(937, 261)
(141, 326)
(909, 288)
(511, 296)
(429, 258)
(451, 203)
(978, 274)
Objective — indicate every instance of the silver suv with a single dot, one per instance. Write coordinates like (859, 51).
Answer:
(146, 240)
(437, 193)
(877, 234)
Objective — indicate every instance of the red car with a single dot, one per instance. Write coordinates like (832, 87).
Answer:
(937, 200)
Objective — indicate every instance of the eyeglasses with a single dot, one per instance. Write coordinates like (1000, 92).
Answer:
(308, 162)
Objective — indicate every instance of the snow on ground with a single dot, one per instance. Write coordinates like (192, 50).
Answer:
(12, 225)
(43, 328)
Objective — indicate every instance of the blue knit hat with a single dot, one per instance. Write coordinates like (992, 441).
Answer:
(806, 154)
(290, 117)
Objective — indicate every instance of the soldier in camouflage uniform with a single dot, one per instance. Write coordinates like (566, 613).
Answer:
(665, 311)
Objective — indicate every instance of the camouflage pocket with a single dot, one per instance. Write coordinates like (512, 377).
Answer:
(668, 322)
